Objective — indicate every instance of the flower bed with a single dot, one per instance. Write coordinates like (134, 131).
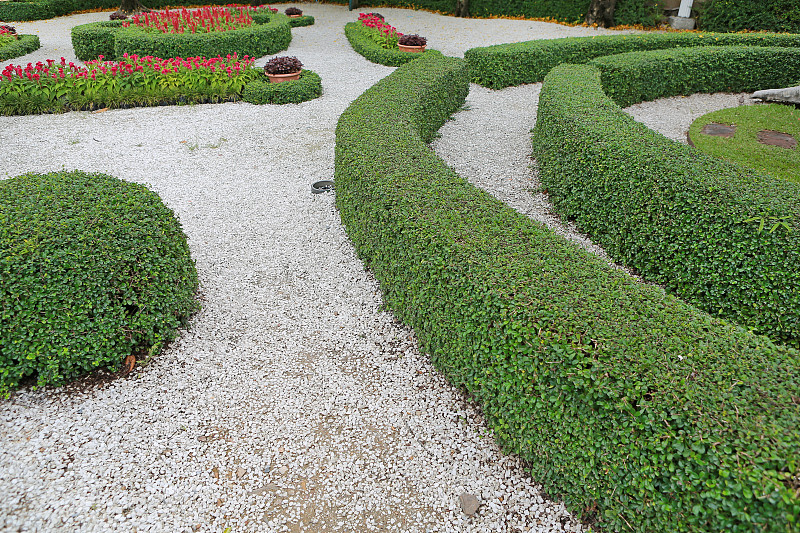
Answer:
(642, 412)
(202, 20)
(57, 87)
(115, 38)
(377, 41)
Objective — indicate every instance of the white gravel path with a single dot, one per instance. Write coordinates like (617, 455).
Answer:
(293, 402)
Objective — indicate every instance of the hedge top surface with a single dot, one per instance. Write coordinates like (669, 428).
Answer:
(622, 398)
(92, 269)
(506, 65)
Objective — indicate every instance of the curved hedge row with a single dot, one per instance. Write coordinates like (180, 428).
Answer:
(110, 39)
(637, 408)
(45, 9)
(92, 269)
(364, 45)
(308, 87)
(673, 214)
(25, 44)
(506, 65)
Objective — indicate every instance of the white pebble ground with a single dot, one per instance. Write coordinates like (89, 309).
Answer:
(293, 402)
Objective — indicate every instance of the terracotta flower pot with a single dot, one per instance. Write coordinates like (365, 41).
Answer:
(278, 78)
(416, 49)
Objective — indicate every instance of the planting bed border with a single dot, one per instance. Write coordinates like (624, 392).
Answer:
(507, 65)
(110, 39)
(308, 87)
(25, 44)
(640, 410)
(363, 44)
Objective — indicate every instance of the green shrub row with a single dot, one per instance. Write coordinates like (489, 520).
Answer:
(738, 15)
(507, 65)
(308, 87)
(92, 269)
(363, 44)
(681, 219)
(25, 44)
(574, 11)
(45, 9)
(111, 40)
(641, 411)
(643, 76)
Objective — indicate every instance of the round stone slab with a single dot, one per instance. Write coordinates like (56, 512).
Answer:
(718, 130)
(777, 138)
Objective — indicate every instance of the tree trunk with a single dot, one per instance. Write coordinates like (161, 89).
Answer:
(462, 8)
(132, 7)
(601, 12)
(352, 5)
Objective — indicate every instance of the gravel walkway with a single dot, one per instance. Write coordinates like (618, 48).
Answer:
(293, 403)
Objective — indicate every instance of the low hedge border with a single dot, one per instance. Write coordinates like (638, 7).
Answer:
(308, 87)
(640, 410)
(294, 22)
(364, 45)
(25, 44)
(507, 65)
(46, 9)
(92, 269)
(662, 208)
(94, 39)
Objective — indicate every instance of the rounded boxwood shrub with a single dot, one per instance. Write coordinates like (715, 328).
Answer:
(92, 269)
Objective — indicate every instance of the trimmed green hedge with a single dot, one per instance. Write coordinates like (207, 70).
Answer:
(633, 406)
(362, 43)
(92, 269)
(643, 76)
(25, 44)
(46, 9)
(512, 64)
(573, 11)
(91, 40)
(738, 15)
(675, 215)
(308, 87)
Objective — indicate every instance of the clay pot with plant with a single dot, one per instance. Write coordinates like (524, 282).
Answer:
(412, 43)
(284, 68)
(293, 12)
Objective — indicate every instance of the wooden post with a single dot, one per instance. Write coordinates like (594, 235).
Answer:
(353, 5)
(462, 8)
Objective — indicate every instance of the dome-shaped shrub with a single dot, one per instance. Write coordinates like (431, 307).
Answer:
(92, 269)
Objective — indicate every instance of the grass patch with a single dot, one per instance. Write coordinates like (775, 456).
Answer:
(744, 148)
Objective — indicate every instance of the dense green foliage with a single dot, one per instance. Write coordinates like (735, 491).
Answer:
(262, 17)
(24, 44)
(634, 406)
(92, 269)
(46, 9)
(111, 40)
(308, 87)
(363, 44)
(678, 217)
(636, 77)
(737, 15)
(573, 11)
(507, 65)
(744, 147)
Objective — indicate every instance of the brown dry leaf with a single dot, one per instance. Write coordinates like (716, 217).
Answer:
(215, 472)
(100, 110)
(130, 361)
